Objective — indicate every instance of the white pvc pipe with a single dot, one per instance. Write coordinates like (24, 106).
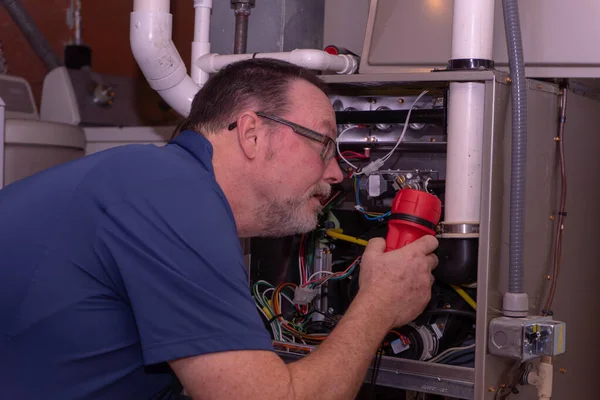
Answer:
(472, 38)
(312, 59)
(473, 29)
(155, 53)
(201, 43)
(151, 5)
(464, 152)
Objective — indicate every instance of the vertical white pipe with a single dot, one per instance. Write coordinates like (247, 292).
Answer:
(472, 38)
(151, 5)
(473, 29)
(201, 43)
(464, 158)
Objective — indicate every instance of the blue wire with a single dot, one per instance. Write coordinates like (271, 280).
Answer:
(368, 217)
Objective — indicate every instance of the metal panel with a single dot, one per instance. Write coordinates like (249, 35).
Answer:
(345, 24)
(274, 26)
(403, 36)
(456, 382)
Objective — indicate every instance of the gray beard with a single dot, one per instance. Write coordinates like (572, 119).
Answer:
(279, 218)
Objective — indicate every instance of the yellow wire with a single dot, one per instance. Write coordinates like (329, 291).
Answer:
(337, 234)
(465, 296)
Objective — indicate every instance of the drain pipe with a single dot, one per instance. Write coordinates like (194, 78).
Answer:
(472, 44)
(201, 43)
(151, 26)
(318, 60)
(155, 53)
(242, 10)
(30, 30)
(515, 302)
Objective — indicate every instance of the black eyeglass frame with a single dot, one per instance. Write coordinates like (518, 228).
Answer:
(326, 141)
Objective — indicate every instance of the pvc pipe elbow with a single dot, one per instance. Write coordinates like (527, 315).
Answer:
(542, 379)
(323, 61)
(159, 60)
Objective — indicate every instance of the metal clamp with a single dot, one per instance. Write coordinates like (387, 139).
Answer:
(462, 229)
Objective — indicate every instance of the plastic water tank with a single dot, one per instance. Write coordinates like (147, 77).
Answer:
(31, 146)
(28, 144)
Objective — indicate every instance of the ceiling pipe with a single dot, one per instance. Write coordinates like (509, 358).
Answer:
(162, 66)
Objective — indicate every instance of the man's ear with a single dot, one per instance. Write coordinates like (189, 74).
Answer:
(250, 138)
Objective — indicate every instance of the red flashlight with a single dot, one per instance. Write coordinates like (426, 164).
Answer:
(414, 214)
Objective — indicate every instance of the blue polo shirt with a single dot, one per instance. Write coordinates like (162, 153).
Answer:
(112, 265)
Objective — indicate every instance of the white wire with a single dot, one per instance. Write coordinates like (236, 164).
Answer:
(319, 272)
(388, 155)
(450, 350)
(337, 143)
(268, 290)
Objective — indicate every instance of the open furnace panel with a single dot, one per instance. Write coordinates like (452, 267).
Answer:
(303, 284)
(448, 349)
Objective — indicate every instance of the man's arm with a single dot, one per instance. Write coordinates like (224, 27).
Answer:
(394, 289)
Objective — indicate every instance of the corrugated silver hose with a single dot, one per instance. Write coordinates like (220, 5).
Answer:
(35, 38)
(519, 146)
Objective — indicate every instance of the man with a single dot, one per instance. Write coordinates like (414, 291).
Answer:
(125, 266)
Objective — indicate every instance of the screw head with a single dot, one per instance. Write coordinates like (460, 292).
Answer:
(548, 277)
(563, 370)
(552, 218)
(400, 101)
(491, 389)
(508, 79)
(539, 86)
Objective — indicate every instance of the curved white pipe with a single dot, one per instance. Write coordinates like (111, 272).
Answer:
(163, 68)
(312, 59)
(155, 53)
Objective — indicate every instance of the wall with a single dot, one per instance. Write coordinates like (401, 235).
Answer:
(105, 28)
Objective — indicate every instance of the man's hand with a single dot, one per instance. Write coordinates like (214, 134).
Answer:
(398, 282)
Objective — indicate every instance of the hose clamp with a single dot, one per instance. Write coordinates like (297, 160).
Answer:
(458, 229)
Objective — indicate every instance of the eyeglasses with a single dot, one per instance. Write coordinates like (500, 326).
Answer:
(328, 150)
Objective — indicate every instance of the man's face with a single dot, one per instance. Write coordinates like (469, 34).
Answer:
(297, 179)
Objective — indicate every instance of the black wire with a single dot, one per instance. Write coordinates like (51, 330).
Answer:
(275, 317)
(376, 366)
(451, 311)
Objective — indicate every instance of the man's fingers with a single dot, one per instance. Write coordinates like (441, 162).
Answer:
(426, 244)
(376, 246)
(433, 261)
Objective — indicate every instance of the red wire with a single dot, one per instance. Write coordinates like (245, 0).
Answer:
(350, 153)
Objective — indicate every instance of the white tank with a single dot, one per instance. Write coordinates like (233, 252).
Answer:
(31, 146)
(27, 144)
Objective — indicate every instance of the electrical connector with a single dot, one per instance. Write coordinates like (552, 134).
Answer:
(304, 295)
(372, 167)
(399, 345)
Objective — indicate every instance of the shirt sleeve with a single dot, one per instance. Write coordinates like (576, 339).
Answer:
(177, 252)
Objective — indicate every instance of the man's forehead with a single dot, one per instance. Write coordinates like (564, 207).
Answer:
(313, 106)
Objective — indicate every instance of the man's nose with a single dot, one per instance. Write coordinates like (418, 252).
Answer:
(333, 173)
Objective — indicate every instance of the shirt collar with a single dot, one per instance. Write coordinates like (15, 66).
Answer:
(197, 145)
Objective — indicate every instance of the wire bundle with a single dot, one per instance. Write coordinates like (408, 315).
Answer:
(314, 282)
